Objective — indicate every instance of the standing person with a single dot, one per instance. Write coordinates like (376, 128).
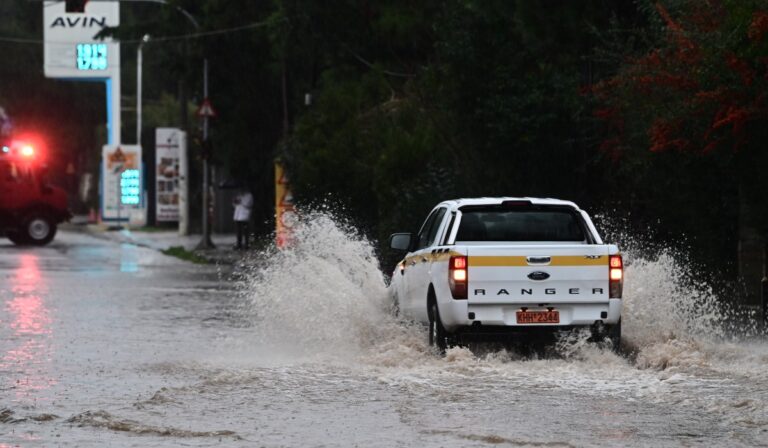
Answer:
(243, 203)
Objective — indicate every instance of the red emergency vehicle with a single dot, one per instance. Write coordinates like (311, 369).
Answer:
(30, 208)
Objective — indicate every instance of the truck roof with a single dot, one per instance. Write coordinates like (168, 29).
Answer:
(455, 203)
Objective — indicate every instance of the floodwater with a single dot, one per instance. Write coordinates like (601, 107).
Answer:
(104, 344)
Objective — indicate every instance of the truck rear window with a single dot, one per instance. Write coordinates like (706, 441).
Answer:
(523, 224)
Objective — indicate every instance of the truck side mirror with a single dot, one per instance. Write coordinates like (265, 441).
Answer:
(401, 241)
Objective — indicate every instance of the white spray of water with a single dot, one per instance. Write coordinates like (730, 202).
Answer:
(327, 295)
(325, 301)
(324, 294)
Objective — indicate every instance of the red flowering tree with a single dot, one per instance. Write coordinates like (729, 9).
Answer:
(699, 91)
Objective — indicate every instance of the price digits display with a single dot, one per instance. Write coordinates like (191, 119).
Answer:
(129, 187)
(91, 56)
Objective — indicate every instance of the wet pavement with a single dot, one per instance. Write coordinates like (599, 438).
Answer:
(110, 344)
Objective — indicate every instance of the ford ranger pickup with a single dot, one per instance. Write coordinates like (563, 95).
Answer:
(506, 266)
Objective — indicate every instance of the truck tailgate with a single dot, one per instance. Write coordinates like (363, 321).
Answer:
(540, 274)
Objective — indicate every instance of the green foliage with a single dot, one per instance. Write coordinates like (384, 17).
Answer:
(492, 107)
(183, 254)
(416, 102)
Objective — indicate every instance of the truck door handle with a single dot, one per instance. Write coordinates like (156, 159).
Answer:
(538, 260)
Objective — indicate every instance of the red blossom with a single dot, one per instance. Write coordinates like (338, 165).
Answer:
(741, 68)
(645, 83)
(736, 117)
(662, 135)
(731, 115)
(609, 145)
(607, 113)
(709, 17)
(708, 109)
(671, 24)
(652, 59)
(711, 146)
(683, 42)
(759, 26)
(718, 94)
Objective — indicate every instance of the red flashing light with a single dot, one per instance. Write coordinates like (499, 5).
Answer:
(27, 151)
(28, 146)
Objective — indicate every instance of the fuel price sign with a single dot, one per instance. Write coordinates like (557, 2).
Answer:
(91, 56)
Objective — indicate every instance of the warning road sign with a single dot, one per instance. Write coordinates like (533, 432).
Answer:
(118, 156)
(206, 109)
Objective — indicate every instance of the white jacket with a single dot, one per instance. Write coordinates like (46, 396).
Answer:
(243, 206)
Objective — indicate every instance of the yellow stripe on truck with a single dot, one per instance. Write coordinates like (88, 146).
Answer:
(560, 260)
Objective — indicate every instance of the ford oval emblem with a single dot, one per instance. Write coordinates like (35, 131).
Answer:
(538, 275)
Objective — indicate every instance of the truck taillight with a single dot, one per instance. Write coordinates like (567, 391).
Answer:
(458, 276)
(615, 276)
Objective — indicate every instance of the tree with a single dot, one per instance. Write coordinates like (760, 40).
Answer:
(695, 97)
(454, 98)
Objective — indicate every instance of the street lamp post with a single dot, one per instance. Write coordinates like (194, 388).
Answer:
(139, 71)
(205, 242)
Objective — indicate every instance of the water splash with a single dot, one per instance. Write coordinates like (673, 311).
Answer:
(326, 298)
(327, 295)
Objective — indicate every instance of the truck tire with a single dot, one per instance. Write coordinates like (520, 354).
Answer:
(614, 335)
(438, 337)
(610, 334)
(38, 229)
(17, 238)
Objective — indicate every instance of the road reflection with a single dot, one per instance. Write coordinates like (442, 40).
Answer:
(26, 331)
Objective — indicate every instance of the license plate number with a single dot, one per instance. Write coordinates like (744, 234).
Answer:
(538, 317)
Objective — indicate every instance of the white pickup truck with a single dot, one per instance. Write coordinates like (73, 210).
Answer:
(490, 266)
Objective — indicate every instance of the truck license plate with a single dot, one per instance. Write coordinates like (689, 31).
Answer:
(538, 317)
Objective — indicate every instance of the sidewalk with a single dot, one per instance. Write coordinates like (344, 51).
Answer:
(163, 240)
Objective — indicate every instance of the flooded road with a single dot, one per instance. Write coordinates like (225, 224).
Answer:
(104, 344)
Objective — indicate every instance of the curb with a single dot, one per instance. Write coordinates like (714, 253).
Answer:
(138, 238)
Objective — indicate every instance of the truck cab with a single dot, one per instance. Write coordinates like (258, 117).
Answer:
(30, 208)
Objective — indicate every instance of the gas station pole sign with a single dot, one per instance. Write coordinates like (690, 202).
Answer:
(71, 50)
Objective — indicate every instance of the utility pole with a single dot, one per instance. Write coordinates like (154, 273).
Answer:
(764, 284)
(205, 242)
(139, 73)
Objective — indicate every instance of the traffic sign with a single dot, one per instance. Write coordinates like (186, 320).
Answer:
(118, 156)
(206, 109)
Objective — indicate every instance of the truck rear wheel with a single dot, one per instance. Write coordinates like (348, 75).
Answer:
(614, 335)
(438, 337)
(38, 230)
(17, 238)
(610, 334)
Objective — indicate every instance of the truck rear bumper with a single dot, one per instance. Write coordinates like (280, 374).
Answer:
(459, 313)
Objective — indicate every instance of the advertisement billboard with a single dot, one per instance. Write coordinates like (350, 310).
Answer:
(170, 152)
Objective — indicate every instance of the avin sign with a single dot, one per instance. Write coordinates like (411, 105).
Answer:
(73, 52)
